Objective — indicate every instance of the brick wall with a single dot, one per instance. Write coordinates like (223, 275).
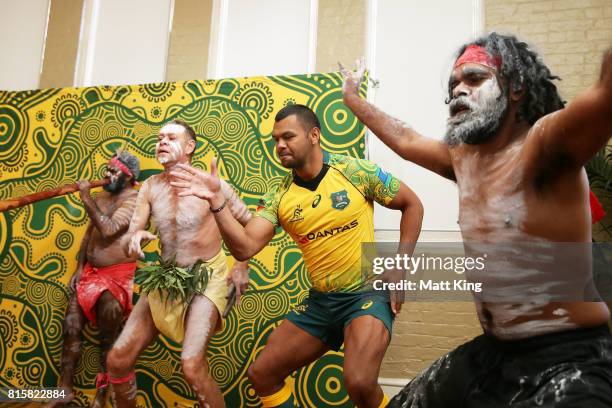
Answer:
(570, 34)
(424, 331)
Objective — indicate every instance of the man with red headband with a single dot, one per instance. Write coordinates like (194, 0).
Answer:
(517, 156)
(104, 277)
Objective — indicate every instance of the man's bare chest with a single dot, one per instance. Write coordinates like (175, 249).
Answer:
(184, 213)
(493, 197)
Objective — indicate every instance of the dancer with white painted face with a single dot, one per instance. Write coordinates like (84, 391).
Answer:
(189, 311)
(517, 156)
(102, 284)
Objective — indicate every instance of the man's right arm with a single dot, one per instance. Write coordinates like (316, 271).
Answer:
(402, 139)
(82, 257)
(136, 231)
(242, 241)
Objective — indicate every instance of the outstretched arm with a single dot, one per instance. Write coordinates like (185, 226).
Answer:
(575, 133)
(242, 241)
(401, 138)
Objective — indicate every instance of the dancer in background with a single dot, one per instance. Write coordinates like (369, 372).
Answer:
(102, 284)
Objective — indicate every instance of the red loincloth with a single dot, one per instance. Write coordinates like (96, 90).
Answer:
(117, 279)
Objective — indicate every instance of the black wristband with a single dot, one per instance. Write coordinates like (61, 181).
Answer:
(216, 210)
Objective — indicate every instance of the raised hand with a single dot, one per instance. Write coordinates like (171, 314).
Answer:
(196, 182)
(134, 245)
(352, 79)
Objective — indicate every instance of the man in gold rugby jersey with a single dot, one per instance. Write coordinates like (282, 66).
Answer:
(326, 205)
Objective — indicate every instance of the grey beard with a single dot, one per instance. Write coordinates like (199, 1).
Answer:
(116, 186)
(477, 126)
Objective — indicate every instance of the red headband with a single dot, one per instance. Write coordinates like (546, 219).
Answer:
(478, 55)
(115, 161)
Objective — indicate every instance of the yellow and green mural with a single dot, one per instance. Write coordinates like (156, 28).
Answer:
(53, 137)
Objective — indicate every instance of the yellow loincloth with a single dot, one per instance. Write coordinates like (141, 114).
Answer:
(169, 316)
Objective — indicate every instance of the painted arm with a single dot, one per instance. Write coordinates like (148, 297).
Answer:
(242, 241)
(574, 134)
(401, 138)
(108, 226)
(410, 228)
(82, 257)
(239, 274)
(237, 207)
(136, 231)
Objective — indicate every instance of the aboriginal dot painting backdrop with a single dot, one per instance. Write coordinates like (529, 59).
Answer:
(57, 136)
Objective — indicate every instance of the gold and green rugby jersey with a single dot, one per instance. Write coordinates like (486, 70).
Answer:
(330, 216)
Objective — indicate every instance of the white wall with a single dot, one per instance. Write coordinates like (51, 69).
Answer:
(263, 37)
(412, 46)
(22, 35)
(127, 42)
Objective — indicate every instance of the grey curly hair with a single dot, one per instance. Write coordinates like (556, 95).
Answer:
(130, 161)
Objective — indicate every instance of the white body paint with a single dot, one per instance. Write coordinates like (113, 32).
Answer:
(483, 219)
(175, 151)
(187, 233)
(202, 310)
(480, 113)
(185, 225)
(493, 209)
(488, 91)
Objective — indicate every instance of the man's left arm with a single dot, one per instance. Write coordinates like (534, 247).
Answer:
(409, 204)
(388, 191)
(239, 274)
(412, 217)
(580, 130)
